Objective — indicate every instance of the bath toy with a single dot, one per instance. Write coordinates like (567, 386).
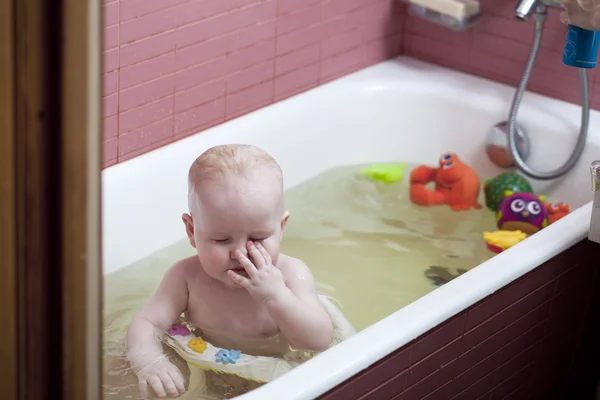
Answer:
(386, 173)
(557, 210)
(198, 345)
(499, 241)
(224, 356)
(442, 275)
(495, 188)
(179, 329)
(522, 211)
(456, 184)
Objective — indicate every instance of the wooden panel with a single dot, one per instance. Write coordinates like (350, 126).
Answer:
(80, 208)
(8, 224)
(518, 343)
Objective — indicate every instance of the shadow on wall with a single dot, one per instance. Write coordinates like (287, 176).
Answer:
(177, 67)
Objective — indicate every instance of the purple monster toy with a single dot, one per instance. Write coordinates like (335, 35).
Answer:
(524, 212)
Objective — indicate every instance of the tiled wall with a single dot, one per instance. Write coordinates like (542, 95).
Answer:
(176, 67)
(519, 343)
(498, 47)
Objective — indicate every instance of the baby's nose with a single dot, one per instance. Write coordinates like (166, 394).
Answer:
(242, 249)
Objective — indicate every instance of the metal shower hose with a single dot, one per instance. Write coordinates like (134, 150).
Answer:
(512, 119)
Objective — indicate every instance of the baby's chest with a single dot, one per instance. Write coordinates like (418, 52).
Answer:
(239, 315)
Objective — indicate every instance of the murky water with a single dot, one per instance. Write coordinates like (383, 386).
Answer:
(367, 245)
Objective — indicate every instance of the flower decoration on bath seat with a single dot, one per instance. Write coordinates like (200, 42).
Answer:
(228, 356)
(198, 345)
(178, 330)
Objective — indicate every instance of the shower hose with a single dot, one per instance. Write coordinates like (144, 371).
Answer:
(540, 18)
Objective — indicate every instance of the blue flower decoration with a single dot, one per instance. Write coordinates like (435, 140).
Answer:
(228, 356)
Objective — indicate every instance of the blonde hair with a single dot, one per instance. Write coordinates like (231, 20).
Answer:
(231, 159)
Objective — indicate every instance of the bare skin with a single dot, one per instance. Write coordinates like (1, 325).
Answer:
(582, 13)
(239, 290)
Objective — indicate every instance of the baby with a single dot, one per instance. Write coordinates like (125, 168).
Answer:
(582, 13)
(239, 290)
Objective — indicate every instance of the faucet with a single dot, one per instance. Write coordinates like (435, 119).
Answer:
(526, 7)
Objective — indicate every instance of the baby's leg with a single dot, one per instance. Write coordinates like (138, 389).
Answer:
(227, 386)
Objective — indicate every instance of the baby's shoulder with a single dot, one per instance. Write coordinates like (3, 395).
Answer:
(291, 267)
(184, 269)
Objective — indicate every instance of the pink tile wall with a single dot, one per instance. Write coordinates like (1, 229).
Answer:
(498, 47)
(177, 67)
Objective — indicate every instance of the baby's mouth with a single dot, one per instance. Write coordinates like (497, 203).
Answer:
(240, 271)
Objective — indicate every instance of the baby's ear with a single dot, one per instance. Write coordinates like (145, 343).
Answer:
(189, 228)
(284, 220)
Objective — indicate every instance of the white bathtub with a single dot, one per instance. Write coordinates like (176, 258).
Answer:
(399, 110)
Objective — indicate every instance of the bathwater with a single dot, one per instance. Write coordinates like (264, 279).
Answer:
(367, 245)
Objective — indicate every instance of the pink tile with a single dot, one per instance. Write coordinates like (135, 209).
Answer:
(111, 104)
(500, 46)
(111, 37)
(141, 116)
(110, 127)
(436, 51)
(109, 150)
(201, 74)
(379, 20)
(109, 163)
(111, 13)
(198, 95)
(251, 76)
(287, 6)
(340, 65)
(510, 28)
(136, 8)
(197, 10)
(380, 50)
(342, 23)
(225, 23)
(147, 48)
(304, 78)
(298, 39)
(144, 136)
(200, 53)
(340, 43)
(147, 25)
(299, 19)
(111, 60)
(111, 83)
(146, 92)
(251, 56)
(497, 68)
(147, 70)
(145, 149)
(200, 116)
(334, 8)
(437, 32)
(297, 59)
(259, 95)
(252, 35)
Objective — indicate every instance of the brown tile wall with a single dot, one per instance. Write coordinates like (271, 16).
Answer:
(519, 343)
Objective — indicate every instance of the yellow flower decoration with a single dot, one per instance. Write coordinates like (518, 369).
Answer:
(198, 345)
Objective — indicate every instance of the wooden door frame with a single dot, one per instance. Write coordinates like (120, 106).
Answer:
(50, 163)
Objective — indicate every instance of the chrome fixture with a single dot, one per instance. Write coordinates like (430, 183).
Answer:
(507, 144)
(594, 233)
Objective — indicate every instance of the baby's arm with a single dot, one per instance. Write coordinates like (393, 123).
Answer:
(297, 310)
(147, 328)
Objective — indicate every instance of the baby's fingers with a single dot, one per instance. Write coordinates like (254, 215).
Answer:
(168, 384)
(263, 252)
(143, 386)
(157, 386)
(178, 381)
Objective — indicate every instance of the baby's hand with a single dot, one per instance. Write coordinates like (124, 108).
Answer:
(264, 281)
(163, 377)
(582, 13)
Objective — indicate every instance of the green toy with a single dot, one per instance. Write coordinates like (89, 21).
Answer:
(386, 173)
(495, 189)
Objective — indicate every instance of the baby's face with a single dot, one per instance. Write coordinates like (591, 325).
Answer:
(228, 215)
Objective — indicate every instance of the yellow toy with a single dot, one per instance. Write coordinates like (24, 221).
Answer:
(386, 173)
(499, 241)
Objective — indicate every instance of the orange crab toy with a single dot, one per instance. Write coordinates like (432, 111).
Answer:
(557, 210)
(456, 184)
